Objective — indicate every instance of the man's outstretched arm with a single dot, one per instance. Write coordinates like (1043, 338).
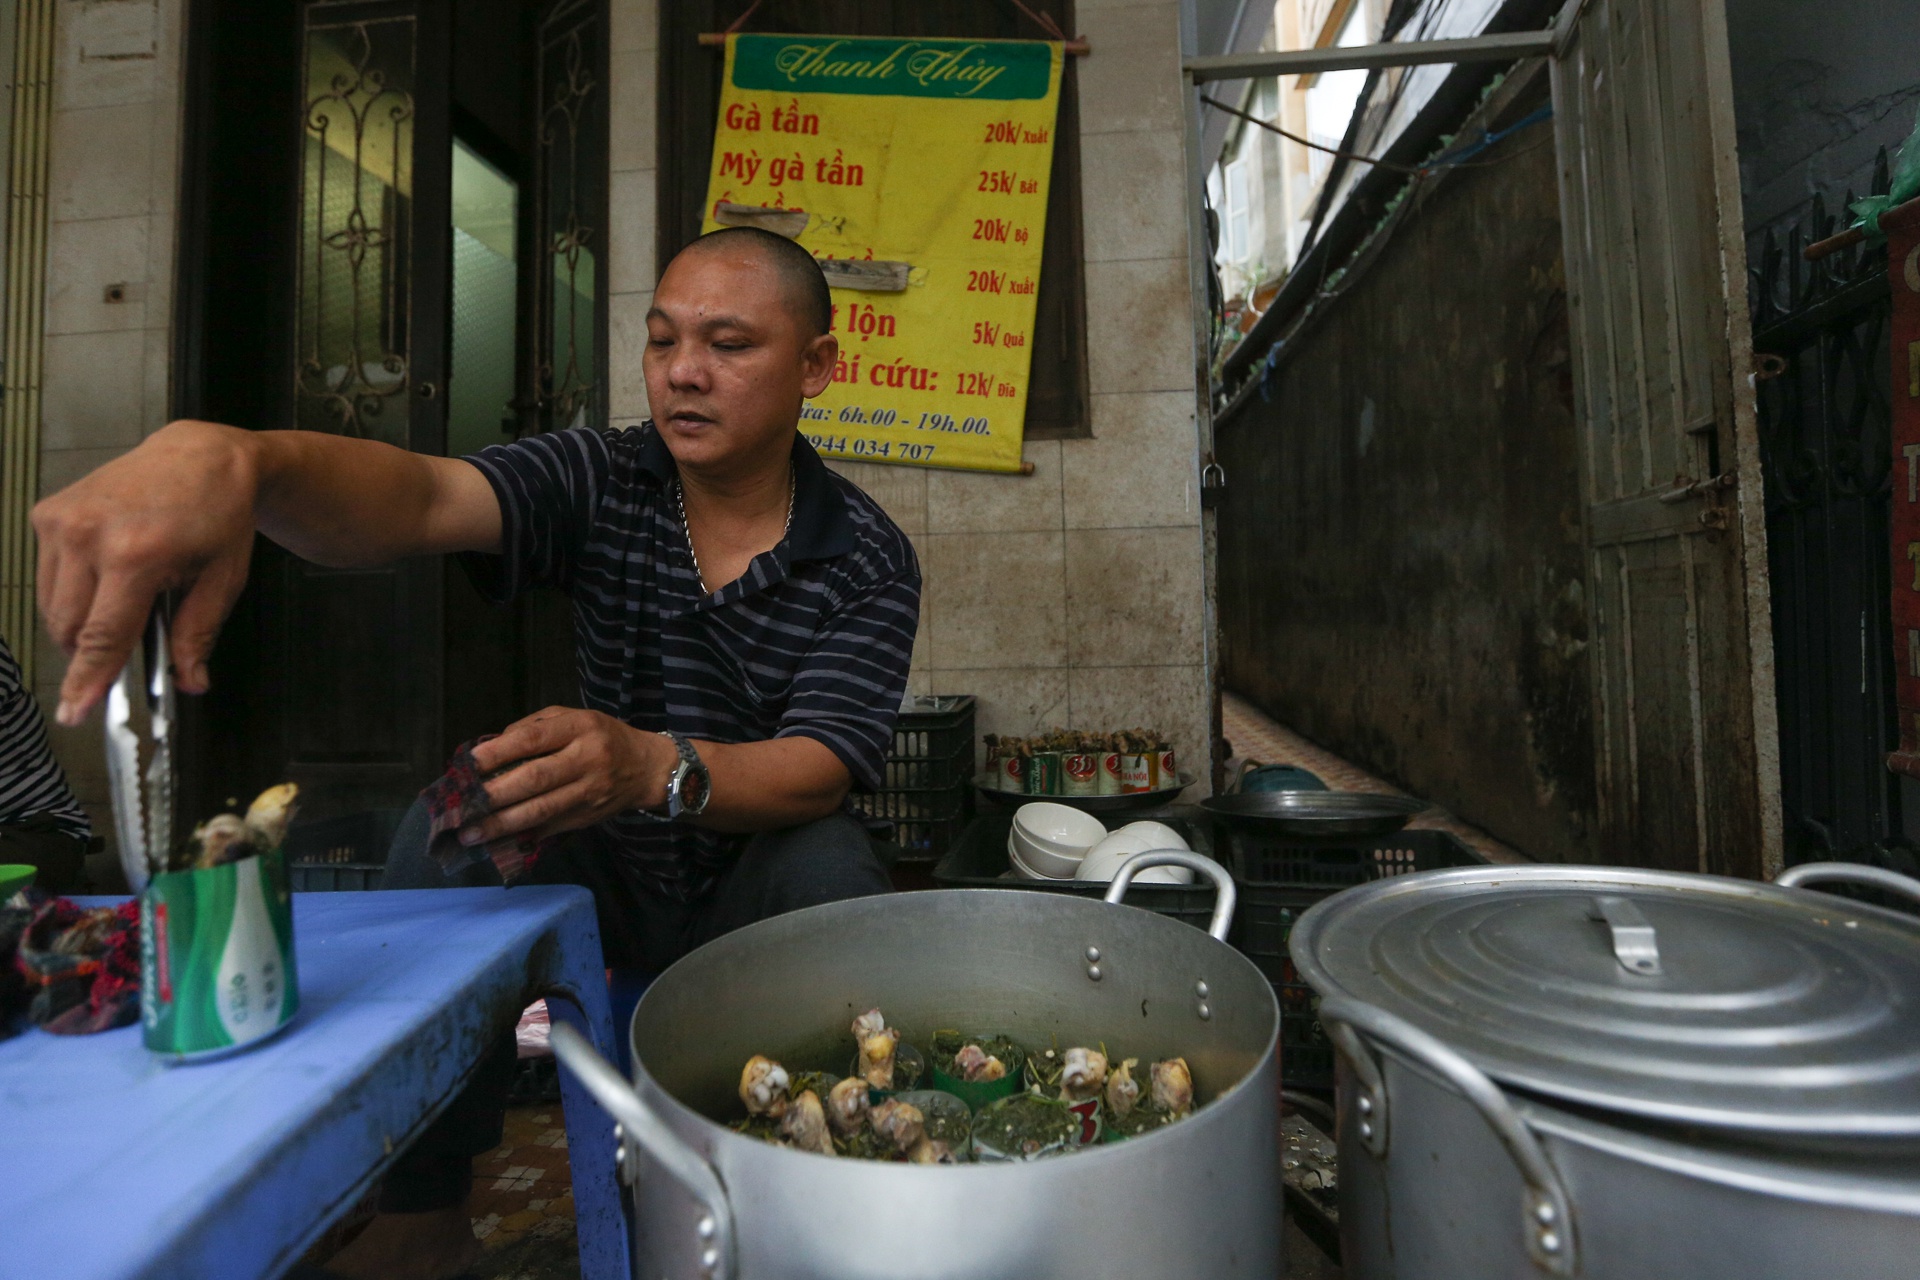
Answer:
(180, 511)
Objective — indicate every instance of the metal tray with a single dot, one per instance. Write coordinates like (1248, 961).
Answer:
(1315, 815)
(1133, 802)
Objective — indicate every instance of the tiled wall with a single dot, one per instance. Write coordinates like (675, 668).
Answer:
(1074, 595)
(113, 178)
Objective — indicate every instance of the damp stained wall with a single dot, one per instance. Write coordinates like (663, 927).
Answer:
(1401, 570)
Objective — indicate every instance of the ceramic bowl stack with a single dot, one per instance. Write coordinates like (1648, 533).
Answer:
(1048, 841)
(1057, 842)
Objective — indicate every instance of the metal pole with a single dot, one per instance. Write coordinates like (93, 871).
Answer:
(1508, 47)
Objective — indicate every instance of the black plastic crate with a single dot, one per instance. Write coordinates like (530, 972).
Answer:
(978, 860)
(1278, 881)
(926, 787)
(348, 852)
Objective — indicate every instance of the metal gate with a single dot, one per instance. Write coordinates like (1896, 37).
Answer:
(1820, 337)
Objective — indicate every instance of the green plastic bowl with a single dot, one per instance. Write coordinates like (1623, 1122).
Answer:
(14, 877)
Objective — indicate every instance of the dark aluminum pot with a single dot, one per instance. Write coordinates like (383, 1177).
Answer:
(1622, 1075)
(1198, 1198)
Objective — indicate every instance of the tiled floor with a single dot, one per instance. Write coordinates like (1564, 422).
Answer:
(1255, 737)
(523, 1201)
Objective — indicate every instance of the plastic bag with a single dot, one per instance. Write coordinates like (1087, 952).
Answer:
(1904, 185)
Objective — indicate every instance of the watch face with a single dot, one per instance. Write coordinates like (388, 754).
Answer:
(693, 790)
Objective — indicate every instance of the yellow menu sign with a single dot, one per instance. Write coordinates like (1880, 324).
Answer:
(916, 171)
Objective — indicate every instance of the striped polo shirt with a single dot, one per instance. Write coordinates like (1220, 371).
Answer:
(30, 779)
(812, 641)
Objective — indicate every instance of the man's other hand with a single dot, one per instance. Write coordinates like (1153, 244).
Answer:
(176, 512)
(576, 768)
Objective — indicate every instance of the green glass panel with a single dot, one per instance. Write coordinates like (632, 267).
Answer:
(356, 191)
(480, 387)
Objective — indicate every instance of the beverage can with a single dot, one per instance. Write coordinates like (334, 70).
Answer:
(1010, 773)
(1080, 772)
(1136, 774)
(216, 957)
(1166, 774)
(1109, 779)
(1043, 774)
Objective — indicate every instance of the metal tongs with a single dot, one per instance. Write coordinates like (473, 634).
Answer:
(143, 801)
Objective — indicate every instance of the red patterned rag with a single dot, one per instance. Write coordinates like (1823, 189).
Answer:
(459, 797)
(81, 964)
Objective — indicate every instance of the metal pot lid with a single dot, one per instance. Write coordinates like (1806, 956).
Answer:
(1684, 998)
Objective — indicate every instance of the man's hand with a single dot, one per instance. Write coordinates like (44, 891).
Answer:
(176, 512)
(577, 768)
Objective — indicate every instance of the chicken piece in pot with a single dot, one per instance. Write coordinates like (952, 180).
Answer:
(931, 1151)
(1173, 1087)
(847, 1106)
(763, 1087)
(805, 1124)
(1083, 1074)
(878, 1042)
(900, 1123)
(1122, 1089)
(977, 1066)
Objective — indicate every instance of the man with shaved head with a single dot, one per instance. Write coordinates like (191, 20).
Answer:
(743, 620)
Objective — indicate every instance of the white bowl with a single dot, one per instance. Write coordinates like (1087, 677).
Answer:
(1104, 860)
(1161, 835)
(1052, 838)
(1022, 870)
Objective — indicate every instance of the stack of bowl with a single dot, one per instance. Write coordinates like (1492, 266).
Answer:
(1058, 842)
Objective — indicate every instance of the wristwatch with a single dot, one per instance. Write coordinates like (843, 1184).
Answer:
(690, 786)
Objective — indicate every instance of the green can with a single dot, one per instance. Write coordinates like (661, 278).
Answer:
(1043, 774)
(216, 957)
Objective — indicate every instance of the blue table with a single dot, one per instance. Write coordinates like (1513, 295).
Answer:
(119, 1165)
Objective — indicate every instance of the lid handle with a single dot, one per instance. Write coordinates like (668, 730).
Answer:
(1635, 945)
(1811, 873)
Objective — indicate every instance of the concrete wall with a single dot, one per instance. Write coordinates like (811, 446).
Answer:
(113, 181)
(1401, 572)
(1074, 595)
(1818, 89)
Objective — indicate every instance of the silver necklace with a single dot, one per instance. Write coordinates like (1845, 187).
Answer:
(680, 498)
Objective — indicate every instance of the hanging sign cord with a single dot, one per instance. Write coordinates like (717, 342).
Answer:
(1044, 21)
(741, 21)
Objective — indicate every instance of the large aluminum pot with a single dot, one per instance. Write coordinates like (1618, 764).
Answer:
(1770, 1131)
(1201, 1197)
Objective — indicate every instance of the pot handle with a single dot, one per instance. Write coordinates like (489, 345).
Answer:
(1222, 882)
(1547, 1214)
(1850, 872)
(639, 1124)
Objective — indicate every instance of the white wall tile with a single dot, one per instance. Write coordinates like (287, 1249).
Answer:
(635, 25)
(997, 599)
(1134, 195)
(1172, 699)
(1133, 597)
(1132, 78)
(632, 110)
(83, 259)
(626, 345)
(631, 209)
(107, 52)
(91, 395)
(1140, 326)
(1016, 700)
(1140, 468)
(100, 162)
(900, 491)
(984, 502)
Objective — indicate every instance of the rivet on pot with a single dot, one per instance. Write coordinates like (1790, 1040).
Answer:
(1544, 1213)
(1366, 1129)
(706, 1227)
(1093, 955)
(710, 1261)
(1549, 1242)
(1093, 970)
(1200, 989)
(1366, 1106)
(1205, 1011)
